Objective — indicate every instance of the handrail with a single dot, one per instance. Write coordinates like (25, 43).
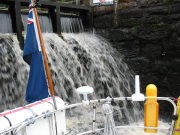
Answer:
(175, 109)
(6, 130)
(87, 132)
(22, 124)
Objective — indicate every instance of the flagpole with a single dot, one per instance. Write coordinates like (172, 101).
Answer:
(50, 85)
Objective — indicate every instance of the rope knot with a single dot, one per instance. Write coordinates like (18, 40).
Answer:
(109, 128)
(107, 108)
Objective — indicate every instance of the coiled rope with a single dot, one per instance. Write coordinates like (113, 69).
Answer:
(109, 128)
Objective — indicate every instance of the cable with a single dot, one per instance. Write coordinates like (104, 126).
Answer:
(9, 123)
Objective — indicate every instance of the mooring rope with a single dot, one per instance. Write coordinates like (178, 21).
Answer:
(109, 128)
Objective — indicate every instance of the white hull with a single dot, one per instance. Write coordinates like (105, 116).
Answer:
(44, 126)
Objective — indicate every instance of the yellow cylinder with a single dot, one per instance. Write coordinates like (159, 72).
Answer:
(151, 109)
(151, 90)
(177, 126)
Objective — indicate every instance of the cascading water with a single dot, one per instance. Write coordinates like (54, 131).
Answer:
(71, 25)
(13, 73)
(77, 60)
(5, 23)
(74, 60)
(68, 24)
(45, 23)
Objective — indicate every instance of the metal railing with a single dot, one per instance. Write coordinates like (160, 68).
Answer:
(19, 126)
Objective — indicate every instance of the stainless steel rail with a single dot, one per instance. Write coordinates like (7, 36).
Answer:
(25, 123)
(129, 98)
(119, 127)
(94, 118)
(6, 130)
(175, 109)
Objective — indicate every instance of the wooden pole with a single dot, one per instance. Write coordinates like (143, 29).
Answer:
(18, 23)
(50, 85)
(116, 13)
(58, 17)
(49, 81)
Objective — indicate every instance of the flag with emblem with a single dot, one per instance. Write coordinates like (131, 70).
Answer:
(37, 88)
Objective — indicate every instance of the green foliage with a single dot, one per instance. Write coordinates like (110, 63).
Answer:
(24, 7)
(164, 53)
(149, 25)
(166, 11)
(137, 41)
(3, 5)
(168, 1)
(165, 1)
(158, 24)
(133, 28)
(61, 1)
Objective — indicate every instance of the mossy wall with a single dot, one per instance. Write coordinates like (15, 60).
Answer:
(149, 38)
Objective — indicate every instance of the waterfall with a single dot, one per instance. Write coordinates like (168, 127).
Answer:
(45, 22)
(5, 23)
(71, 25)
(68, 24)
(13, 73)
(75, 60)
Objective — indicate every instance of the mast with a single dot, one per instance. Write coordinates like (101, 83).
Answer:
(46, 67)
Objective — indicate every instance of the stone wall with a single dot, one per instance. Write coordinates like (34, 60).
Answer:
(149, 38)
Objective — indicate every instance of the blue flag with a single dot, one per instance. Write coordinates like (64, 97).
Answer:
(37, 88)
